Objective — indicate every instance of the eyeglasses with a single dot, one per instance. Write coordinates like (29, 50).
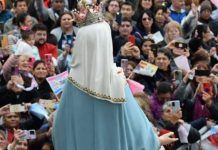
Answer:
(144, 19)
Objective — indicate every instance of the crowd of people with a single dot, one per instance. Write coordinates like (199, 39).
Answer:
(37, 41)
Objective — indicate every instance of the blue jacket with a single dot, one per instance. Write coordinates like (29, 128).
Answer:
(177, 16)
(5, 15)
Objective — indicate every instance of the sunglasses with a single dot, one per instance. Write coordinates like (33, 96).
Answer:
(144, 19)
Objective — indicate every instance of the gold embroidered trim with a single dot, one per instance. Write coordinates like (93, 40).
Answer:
(95, 94)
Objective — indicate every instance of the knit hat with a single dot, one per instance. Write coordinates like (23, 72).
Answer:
(205, 5)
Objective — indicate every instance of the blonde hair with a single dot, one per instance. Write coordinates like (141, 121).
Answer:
(168, 26)
(143, 101)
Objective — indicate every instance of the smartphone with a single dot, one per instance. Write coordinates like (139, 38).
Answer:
(124, 64)
(15, 70)
(207, 87)
(118, 18)
(175, 105)
(181, 45)
(32, 134)
(17, 108)
(31, 61)
(154, 49)
(202, 73)
(29, 135)
(48, 59)
(131, 39)
(178, 75)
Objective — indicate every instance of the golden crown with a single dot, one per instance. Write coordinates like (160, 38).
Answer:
(90, 13)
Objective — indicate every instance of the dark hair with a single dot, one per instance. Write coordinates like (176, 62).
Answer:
(139, 24)
(200, 56)
(145, 40)
(108, 3)
(58, 24)
(37, 62)
(164, 87)
(200, 29)
(25, 34)
(39, 27)
(125, 19)
(20, 19)
(164, 8)
(50, 144)
(166, 52)
(129, 4)
(52, 39)
(18, 1)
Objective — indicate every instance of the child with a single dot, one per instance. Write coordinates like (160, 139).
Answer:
(25, 46)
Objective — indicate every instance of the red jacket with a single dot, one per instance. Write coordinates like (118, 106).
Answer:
(47, 48)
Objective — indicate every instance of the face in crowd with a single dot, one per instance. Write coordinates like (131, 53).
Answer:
(113, 7)
(146, 4)
(58, 5)
(40, 37)
(22, 145)
(147, 21)
(125, 28)
(40, 71)
(162, 61)
(12, 120)
(21, 7)
(66, 22)
(127, 11)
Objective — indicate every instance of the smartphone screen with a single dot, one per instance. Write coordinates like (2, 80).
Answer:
(32, 134)
(131, 39)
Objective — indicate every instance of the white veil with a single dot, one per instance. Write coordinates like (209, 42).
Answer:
(93, 70)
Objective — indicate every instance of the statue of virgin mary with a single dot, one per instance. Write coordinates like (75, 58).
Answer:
(97, 109)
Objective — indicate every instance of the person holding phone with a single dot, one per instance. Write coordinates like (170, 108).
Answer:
(65, 59)
(172, 121)
(198, 96)
(65, 32)
(179, 47)
(125, 35)
(19, 82)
